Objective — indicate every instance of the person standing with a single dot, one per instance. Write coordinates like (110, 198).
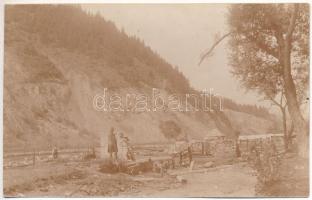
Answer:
(130, 155)
(122, 147)
(112, 145)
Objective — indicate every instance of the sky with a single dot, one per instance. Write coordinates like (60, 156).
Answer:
(180, 33)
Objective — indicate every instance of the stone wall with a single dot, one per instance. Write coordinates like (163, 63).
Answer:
(220, 148)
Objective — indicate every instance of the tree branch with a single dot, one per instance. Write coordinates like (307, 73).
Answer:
(276, 103)
(213, 47)
(259, 44)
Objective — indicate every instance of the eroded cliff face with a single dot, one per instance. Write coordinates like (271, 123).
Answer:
(36, 101)
(48, 100)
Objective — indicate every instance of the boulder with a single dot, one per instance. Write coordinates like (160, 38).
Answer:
(208, 164)
(181, 179)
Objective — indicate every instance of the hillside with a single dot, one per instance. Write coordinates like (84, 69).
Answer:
(57, 58)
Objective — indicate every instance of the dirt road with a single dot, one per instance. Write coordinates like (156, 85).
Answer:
(227, 181)
(85, 180)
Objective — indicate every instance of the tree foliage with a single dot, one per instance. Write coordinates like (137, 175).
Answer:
(270, 54)
(255, 50)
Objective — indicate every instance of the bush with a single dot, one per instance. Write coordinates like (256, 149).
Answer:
(170, 129)
(108, 166)
(266, 163)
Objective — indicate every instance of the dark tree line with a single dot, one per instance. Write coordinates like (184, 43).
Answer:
(258, 111)
(90, 34)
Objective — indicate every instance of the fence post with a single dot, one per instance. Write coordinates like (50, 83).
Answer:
(34, 158)
(247, 145)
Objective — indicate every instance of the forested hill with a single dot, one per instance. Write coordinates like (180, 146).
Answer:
(58, 56)
(76, 30)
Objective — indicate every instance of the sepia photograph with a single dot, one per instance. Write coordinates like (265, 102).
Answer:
(156, 100)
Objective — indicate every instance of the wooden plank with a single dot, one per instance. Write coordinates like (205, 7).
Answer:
(175, 173)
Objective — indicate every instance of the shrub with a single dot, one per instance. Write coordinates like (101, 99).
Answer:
(109, 166)
(170, 129)
(266, 163)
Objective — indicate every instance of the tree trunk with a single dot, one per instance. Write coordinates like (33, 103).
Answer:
(286, 138)
(290, 134)
(301, 127)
